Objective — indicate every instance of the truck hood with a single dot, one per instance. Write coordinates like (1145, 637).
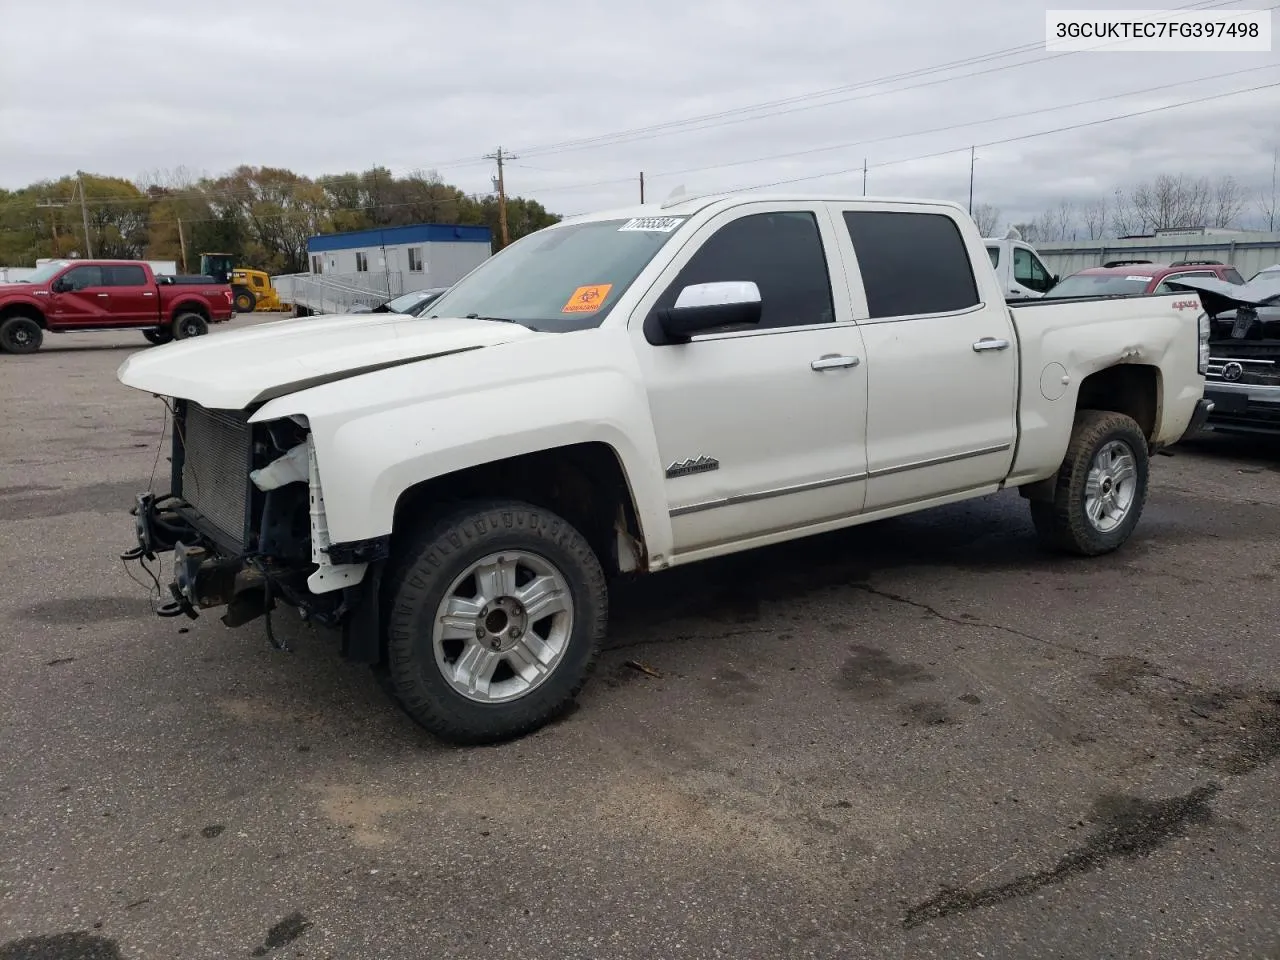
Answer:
(235, 370)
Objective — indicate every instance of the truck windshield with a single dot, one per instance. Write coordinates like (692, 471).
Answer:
(560, 278)
(1100, 285)
(44, 272)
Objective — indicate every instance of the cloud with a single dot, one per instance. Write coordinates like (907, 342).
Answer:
(332, 85)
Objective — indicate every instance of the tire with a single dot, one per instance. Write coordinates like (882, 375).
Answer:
(245, 300)
(158, 335)
(186, 325)
(421, 666)
(20, 335)
(1065, 523)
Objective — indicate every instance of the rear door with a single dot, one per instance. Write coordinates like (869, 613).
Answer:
(133, 297)
(942, 361)
(81, 298)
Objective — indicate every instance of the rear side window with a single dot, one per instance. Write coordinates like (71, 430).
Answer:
(127, 276)
(911, 263)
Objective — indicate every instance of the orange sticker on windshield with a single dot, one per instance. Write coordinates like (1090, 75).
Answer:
(587, 299)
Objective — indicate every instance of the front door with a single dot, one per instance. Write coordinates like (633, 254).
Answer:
(943, 364)
(760, 430)
(80, 298)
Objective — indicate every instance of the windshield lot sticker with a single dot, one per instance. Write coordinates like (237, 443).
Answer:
(652, 224)
(1143, 279)
(587, 299)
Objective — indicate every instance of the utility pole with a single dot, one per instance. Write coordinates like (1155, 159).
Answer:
(642, 186)
(1271, 225)
(864, 176)
(50, 205)
(182, 242)
(499, 156)
(971, 159)
(84, 215)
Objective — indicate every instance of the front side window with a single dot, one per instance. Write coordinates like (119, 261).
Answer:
(911, 263)
(560, 278)
(781, 253)
(1029, 271)
(82, 278)
(994, 254)
(1231, 275)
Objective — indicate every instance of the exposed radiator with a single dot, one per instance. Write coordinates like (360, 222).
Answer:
(215, 471)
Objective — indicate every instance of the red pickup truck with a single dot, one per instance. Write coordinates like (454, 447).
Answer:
(66, 295)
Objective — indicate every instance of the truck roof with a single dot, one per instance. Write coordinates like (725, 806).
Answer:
(684, 206)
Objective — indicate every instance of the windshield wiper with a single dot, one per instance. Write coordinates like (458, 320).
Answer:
(476, 316)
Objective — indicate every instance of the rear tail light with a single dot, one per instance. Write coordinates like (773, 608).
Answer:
(1205, 329)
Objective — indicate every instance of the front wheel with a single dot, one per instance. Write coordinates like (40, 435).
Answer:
(1100, 489)
(245, 300)
(186, 325)
(20, 335)
(494, 617)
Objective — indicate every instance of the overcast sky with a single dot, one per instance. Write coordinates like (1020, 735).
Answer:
(328, 86)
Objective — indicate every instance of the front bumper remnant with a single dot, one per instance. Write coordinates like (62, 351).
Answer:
(201, 577)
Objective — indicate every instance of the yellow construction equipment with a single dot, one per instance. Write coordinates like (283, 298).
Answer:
(251, 289)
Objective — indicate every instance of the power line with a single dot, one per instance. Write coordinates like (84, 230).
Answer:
(803, 101)
(1017, 139)
(956, 126)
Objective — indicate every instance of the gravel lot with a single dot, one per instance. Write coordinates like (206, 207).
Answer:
(922, 738)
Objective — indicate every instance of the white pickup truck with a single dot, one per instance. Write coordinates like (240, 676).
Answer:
(632, 391)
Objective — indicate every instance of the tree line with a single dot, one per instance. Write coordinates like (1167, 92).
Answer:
(1164, 202)
(262, 215)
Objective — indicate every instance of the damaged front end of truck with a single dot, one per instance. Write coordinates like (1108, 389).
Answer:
(244, 525)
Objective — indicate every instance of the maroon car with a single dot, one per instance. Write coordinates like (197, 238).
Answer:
(1120, 278)
(75, 295)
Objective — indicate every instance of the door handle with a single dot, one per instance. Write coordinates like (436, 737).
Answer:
(833, 362)
(104, 294)
(148, 294)
(990, 343)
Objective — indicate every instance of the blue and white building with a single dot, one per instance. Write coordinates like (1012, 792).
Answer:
(369, 266)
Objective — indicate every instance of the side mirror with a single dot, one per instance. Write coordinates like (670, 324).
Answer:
(705, 306)
(61, 285)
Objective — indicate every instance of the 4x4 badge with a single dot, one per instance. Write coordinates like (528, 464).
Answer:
(682, 468)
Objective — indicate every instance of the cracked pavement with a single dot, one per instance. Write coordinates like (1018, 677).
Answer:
(921, 738)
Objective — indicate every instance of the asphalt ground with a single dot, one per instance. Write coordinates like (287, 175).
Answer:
(920, 738)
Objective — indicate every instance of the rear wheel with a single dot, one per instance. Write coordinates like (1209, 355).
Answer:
(245, 300)
(20, 335)
(1100, 489)
(187, 325)
(158, 335)
(494, 617)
